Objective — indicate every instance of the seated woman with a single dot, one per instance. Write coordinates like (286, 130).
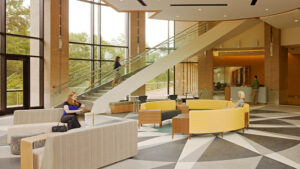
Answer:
(242, 97)
(71, 108)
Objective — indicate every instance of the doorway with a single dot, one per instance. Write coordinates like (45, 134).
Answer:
(17, 83)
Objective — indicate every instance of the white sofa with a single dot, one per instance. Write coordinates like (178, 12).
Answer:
(88, 148)
(36, 119)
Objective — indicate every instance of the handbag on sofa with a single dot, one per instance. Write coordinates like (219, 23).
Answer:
(59, 128)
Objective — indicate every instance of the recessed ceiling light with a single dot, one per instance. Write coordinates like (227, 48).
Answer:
(296, 20)
(267, 9)
(199, 9)
(225, 16)
(177, 16)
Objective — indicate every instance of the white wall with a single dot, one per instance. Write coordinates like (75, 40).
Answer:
(290, 36)
(253, 37)
(181, 26)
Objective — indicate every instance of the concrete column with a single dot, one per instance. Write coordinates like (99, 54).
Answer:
(56, 51)
(137, 41)
(276, 66)
(205, 75)
(34, 50)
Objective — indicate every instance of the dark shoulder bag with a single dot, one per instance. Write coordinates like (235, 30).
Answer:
(59, 128)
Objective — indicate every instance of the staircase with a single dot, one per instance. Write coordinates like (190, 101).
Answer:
(201, 43)
(146, 66)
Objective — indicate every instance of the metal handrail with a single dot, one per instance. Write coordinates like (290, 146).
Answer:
(170, 44)
(151, 50)
(14, 90)
(186, 31)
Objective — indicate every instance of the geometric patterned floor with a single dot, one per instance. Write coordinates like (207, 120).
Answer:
(271, 142)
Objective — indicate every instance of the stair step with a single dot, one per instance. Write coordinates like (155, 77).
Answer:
(84, 101)
(89, 98)
(102, 91)
(96, 94)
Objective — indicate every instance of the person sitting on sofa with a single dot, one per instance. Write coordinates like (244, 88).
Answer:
(71, 108)
(242, 97)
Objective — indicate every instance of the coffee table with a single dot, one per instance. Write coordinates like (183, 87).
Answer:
(180, 124)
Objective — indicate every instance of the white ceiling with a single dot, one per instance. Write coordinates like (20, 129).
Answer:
(236, 9)
(285, 20)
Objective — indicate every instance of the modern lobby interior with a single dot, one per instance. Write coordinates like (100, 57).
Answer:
(199, 84)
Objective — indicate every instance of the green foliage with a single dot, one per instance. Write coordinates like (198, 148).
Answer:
(83, 68)
(17, 17)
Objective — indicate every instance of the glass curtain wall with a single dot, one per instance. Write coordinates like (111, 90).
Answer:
(158, 31)
(21, 54)
(97, 34)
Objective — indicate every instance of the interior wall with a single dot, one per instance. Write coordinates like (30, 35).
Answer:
(179, 68)
(255, 62)
(293, 75)
(253, 37)
(290, 36)
(181, 26)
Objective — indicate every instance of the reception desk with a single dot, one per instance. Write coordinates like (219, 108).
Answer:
(262, 94)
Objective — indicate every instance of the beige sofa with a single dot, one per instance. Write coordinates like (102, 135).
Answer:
(36, 119)
(86, 148)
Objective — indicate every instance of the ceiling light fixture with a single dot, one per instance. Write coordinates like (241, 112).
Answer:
(296, 20)
(267, 9)
(177, 16)
(225, 16)
(199, 9)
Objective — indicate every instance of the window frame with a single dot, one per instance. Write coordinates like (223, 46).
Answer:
(4, 56)
(93, 45)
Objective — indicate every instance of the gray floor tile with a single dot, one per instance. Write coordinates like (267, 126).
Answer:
(170, 166)
(272, 121)
(165, 152)
(140, 139)
(272, 143)
(264, 111)
(267, 163)
(221, 149)
(294, 131)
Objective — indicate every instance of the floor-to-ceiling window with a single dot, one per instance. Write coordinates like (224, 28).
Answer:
(98, 34)
(158, 31)
(21, 54)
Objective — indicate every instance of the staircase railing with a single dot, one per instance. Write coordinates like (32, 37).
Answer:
(129, 66)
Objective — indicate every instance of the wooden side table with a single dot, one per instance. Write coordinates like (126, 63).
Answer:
(180, 124)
